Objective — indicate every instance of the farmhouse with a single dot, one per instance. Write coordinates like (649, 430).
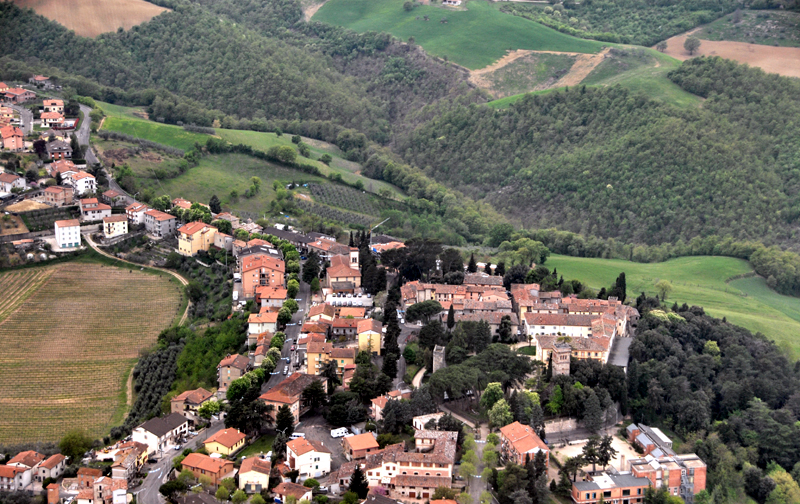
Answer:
(158, 434)
(28, 459)
(159, 224)
(289, 392)
(231, 368)
(214, 468)
(9, 181)
(135, 213)
(12, 138)
(92, 210)
(68, 233)
(41, 80)
(254, 474)
(58, 196)
(194, 237)
(187, 403)
(225, 442)
(14, 478)
(52, 467)
(115, 225)
(59, 150)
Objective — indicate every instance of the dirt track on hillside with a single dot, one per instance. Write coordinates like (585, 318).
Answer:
(584, 64)
(780, 60)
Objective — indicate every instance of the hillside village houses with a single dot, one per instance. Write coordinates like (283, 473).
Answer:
(317, 354)
(254, 474)
(159, 224)
(266, 320)
(194, 237)
(188, 402)
(92, 210)
(59, 149)
(115, 225)
(12, 138)
(81, 182)
(11, 181)
(225, 442)
(159, 433)
(311, 458)
(68, 233)
(231, 368)
(19, 95)
(135, 213)
(261, 270)
(289, 392)
(519, 442)
(58, 196)
(216, 469)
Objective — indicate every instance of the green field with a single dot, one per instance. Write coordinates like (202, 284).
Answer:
(700, 281)
(221, 174)
(531, 72)
(122, 120)
(642, 70)
(474, 36)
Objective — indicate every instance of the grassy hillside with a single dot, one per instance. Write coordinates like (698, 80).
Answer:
(756, 27)
(125, 120)
(701, 281)
(474, 36)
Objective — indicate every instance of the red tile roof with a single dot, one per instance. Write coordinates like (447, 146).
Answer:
(361, 442)
(68, 223)
(7, 471)
(27, 458)
(369, 325)
(255, 464)
(197, 396)
(10, 131)
(206, 463)
(158, 215)
(523, 438)
(53, 461)
(236, 361)
(115, 218)
(301, 446)
(226, 437)
(293, 489)
(194, 227)
(321, 309)
(257, 261)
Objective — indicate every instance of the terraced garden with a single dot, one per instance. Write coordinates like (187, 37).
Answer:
(71, 334)
(330, 213)
(345, 197)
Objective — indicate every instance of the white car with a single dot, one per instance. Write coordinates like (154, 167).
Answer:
(340, 432)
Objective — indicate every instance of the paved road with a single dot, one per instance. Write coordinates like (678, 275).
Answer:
(27, 118)
(83, 133)
(147, 493)
(292, 332)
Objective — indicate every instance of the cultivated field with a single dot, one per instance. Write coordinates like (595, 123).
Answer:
(700, 281)
(780, 60)
(71, 333)
(473, 36)
(90, 18)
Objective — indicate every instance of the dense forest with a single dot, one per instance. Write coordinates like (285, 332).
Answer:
(612, 163)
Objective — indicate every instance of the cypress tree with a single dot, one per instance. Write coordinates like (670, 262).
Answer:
(472, 267)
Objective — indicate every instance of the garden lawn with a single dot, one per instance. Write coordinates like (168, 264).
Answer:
(260, 445)
(474, 36)
(700, 281)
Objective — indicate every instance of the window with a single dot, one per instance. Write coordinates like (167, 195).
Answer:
(626, 492)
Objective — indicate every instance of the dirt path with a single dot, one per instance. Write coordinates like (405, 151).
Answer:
(129, 391)
(309, 11)
(780, 60)
(182, 280)
(584, 64)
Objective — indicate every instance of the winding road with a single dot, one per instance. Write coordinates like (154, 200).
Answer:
(183, 281)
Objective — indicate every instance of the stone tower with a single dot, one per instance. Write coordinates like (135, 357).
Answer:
(438, 358)
(561, 354)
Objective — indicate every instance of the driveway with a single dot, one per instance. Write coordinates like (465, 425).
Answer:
(147, 492)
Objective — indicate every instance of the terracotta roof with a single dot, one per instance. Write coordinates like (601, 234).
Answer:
(115, 218)
(197, 396)
(255, 464)
(369, 325)
(523, 438)
(85, 494)
(51, 115)
(343, 323)
(320, 326)
(81, 175)
(319, 347)
(443, 501)
(10, 131)
(343, 353)
(321, 309)
(68, 223)
(136, 207)
(302, 446)
(40, 78)
(592, 344)
(193, 228)
(257, 261)
(88, 471)
(226, 437)
(7, 471)
(9, 177)
(353, 311)
(159, 215)
(53, 461)
(255, 242)
(268, 292)
(112, 193)
(206, 463)
(342, 270)
(55, 189)
(53, 103)
(182, 203)
(236, 361)
(361, 442)
(264, 317)
(289, 390)
(293, 489)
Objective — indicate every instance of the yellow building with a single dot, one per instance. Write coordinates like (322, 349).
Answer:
(116, 225)
(369, 336)
(318, 353)
(225, 442)
(194, 237)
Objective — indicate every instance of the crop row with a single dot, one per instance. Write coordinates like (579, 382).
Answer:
(344, 197)
(17, 287)
(334, 214)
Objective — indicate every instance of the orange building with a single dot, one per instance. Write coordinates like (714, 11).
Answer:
(261, 270)
(216, 469)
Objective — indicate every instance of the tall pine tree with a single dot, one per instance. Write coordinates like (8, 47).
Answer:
(472, 267)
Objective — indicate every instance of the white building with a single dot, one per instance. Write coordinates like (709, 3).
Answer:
(310, 458)
(558, 324)
(135, 213)
(9, 181)
(68, 233)
(13, 478)
(115, 225)
(82, 182)
(159, 434)
(419, 421)
(92, 210)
